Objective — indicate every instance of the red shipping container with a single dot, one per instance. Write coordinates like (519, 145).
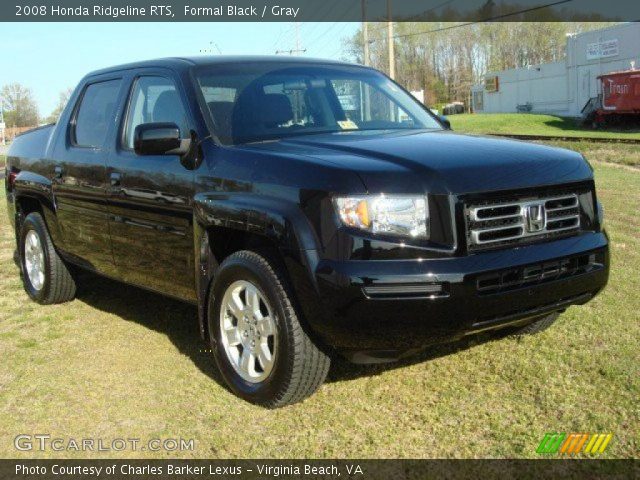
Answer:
(621, 92)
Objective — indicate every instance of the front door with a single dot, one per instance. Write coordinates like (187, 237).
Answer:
(79, 179)
(150, 196)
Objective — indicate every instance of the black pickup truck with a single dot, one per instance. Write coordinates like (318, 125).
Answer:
(309, 208)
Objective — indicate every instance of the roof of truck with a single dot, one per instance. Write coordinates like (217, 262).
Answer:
(186, 62)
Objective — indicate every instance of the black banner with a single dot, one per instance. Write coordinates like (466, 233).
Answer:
(312, 469)
(317, 11)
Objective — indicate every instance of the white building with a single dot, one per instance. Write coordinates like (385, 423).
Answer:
(561, 88)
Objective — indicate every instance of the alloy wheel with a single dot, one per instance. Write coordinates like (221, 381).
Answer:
(34, 259)
(248, 331)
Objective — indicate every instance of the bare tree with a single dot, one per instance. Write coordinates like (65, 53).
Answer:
(63, 99)
(446, 58)
(20, 107)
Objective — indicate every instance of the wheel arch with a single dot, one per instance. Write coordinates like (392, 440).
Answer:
(57, 284)
(33, 193)
(225, 223)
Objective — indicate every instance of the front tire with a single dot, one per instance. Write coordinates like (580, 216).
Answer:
(259, 345)
(45, 276)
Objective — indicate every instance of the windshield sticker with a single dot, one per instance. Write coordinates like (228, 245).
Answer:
(347, 125)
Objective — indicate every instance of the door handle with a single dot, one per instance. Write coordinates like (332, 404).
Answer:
(115, 179)
(57, 171)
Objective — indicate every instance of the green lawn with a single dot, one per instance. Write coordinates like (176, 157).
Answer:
(120, 362)
(620, 153)
(531, 124)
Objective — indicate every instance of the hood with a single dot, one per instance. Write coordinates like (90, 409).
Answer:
(440, 161)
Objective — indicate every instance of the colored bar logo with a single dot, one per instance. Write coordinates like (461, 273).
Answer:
(574, 443)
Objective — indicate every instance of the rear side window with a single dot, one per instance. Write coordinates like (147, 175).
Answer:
(96, 113)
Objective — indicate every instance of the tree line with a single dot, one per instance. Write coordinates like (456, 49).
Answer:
(21, 110)
(445, 59)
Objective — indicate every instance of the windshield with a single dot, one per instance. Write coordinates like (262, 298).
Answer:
(268, 101)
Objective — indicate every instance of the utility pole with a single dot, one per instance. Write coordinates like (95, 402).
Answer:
(392, 65)
(365, 91)
(297, 50)
(365, 33)
(296, 26)
(212, 45)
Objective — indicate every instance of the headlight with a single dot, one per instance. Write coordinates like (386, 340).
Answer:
(388, 214)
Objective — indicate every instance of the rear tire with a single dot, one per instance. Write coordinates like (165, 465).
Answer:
(294, 367)
(539, 325)
(45, 275)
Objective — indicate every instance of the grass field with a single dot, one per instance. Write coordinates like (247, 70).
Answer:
(118, 362)
(531, 124)
(621, 154)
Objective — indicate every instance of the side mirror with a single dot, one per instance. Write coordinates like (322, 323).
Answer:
(159, 139)
(445, 122)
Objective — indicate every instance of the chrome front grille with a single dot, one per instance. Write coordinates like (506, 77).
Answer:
(493, 223)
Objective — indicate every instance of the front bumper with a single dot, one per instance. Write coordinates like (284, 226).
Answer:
(472, 293)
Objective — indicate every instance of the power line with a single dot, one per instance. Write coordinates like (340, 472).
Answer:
(327, 13)
(212, 45)
(313, 13)
(292, 51)
(297, 50)
(446, 2)
(383, 25)
(339, 33)
(330, 8)
(311, 28)
(287, 36)
(333, 25)
(497, 17)
(323, 34)
(275, 44)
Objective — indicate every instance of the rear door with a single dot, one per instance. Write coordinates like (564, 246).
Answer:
(150, 197)
(79, 179)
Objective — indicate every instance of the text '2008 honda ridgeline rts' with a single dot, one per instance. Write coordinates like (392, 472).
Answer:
(307, 207)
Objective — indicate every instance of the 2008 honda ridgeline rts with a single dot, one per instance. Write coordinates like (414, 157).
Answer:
(307, 207)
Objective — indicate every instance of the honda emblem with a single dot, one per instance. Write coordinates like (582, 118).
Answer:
(535, 217)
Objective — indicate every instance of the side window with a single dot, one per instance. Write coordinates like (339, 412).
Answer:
(95, 114)
(154, 100)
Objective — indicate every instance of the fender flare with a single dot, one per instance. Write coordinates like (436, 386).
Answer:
(280, 221)
(39, 188)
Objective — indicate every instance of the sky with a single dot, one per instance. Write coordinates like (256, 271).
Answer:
(50, 57)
